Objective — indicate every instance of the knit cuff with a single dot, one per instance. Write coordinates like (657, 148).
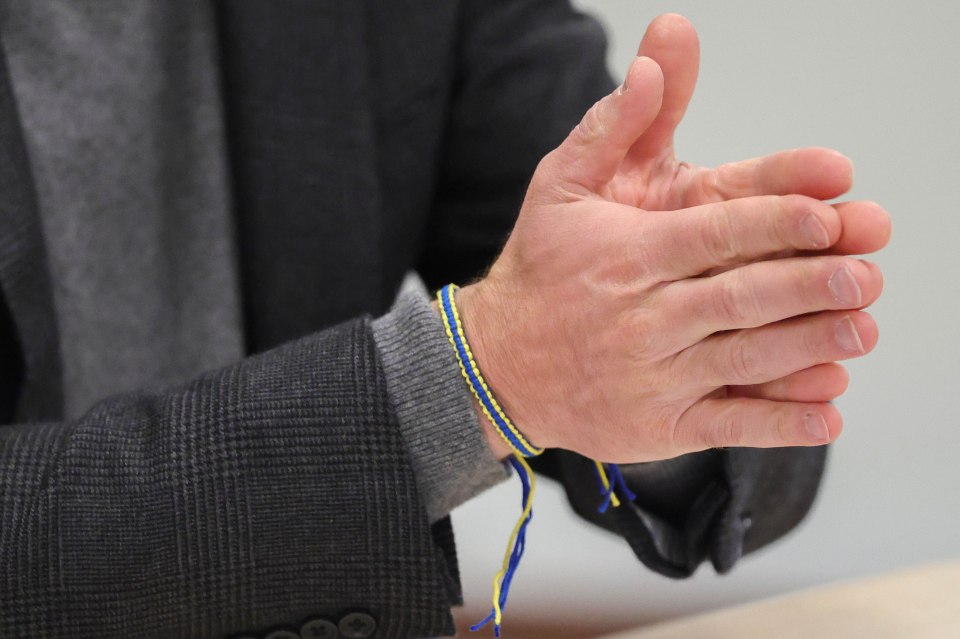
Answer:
(451, 459)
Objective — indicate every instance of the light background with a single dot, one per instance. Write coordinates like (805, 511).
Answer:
(879, 81)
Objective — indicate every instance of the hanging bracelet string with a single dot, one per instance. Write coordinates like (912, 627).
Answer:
(610, 479)
(608, 475)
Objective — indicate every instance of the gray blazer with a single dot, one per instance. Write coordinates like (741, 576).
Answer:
(366, 139)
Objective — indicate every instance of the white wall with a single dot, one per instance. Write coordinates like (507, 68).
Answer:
(880, 81)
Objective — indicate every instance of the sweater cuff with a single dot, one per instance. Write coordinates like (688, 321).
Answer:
(451, 459)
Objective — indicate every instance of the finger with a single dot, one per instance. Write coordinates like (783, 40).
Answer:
(763, 354)
(757, 423)
(672, 41)
(820, 383)
(816, 172)
(765, 292)
(593, 151)
(691, 241)
(865, 228)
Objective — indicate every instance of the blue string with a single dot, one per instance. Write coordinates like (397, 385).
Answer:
(519, 546)
(616, 479)
(605, 492)
(504, 428)
(515, 555)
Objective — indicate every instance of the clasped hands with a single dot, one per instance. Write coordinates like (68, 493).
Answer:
(643, 308)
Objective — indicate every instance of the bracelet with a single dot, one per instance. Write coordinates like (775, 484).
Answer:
(608, 475)
(471, 372)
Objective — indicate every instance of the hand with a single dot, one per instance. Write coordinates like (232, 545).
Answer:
(597, 328)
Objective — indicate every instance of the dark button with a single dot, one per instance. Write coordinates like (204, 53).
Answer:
(282, 634)
(357, 625)
(319, 629)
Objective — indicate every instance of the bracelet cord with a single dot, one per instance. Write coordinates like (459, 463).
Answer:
(608, 475)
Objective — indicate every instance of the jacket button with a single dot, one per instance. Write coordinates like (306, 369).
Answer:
(357, 625)
(319, 629)
(282, 634)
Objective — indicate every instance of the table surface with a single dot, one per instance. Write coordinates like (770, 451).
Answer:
(919, 603)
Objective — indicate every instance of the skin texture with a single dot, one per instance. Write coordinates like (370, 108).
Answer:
(644, 308)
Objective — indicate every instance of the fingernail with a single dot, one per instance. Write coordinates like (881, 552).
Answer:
(626, 80)
(815, 231)
(847, 336)
(816, 427)
(844, 287)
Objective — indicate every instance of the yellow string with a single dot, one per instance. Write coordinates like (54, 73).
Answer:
(483, 382)
(606, 484)
(476, 371)
(527, 507)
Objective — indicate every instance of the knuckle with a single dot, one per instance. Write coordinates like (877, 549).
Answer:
(680, 371)
(593, 125)
(641, 260)
(728, 430)
(552, 174)
(745, 363)
(719, 237)
(814, 342)
(795, 207)
(785, 426)
(547, 166)
(640, 335)
(712, 184)
(794, 210)
(733, 301)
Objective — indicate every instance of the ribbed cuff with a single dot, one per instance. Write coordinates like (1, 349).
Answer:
(450, 456)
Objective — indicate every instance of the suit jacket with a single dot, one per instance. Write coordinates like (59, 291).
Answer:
(366, 139)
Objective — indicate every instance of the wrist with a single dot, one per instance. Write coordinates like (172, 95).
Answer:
(465, 300)
(499, 448)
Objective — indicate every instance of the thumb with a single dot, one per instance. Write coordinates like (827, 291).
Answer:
(590, 155)
(672, 41)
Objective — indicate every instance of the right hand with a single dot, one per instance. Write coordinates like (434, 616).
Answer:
(628, 334)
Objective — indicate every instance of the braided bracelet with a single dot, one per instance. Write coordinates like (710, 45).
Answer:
(608, 475)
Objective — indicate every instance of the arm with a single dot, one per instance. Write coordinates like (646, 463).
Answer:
(259, 495)
(522, 91)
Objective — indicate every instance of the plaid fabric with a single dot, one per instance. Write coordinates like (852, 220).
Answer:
(261, 494)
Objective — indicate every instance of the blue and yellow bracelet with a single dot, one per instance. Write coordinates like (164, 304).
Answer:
(608, 475)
